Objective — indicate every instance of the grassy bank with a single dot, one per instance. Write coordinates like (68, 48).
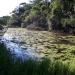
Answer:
(30, 67)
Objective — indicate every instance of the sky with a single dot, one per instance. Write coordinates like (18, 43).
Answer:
(7, 6)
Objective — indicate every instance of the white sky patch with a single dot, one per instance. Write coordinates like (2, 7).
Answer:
(7, 6)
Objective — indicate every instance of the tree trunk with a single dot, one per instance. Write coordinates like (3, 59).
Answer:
(49, 25)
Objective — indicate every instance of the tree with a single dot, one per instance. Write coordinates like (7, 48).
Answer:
(57, 15)
(4, 20)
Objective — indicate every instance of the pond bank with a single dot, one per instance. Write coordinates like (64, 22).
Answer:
(31, 67)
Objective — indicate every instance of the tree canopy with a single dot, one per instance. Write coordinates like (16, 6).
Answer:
(4, 20)
(57, 15)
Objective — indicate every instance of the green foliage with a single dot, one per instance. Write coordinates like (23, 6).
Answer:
(30, 67)
(53, 15)
(4, 20)
(63, 15)
(33, 12)
(70, 22)
(36, 1)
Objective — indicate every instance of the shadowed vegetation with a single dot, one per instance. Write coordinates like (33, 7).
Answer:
(30, 67)
(52, 15)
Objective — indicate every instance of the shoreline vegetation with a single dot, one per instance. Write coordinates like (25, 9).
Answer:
(31, 67)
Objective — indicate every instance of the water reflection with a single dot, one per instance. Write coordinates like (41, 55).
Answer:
(18, 50)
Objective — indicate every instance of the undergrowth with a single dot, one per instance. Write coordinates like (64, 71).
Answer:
(30, 67)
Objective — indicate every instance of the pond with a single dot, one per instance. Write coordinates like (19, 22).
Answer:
(17, 49)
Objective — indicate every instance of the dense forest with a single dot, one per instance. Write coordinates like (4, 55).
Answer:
(56, 15)
(3, 21)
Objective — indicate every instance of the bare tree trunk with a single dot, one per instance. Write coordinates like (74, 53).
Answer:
(49, 25)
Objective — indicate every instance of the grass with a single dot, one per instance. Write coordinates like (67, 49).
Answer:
(30, 67)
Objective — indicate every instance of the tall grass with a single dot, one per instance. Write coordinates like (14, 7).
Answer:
(30, 67)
